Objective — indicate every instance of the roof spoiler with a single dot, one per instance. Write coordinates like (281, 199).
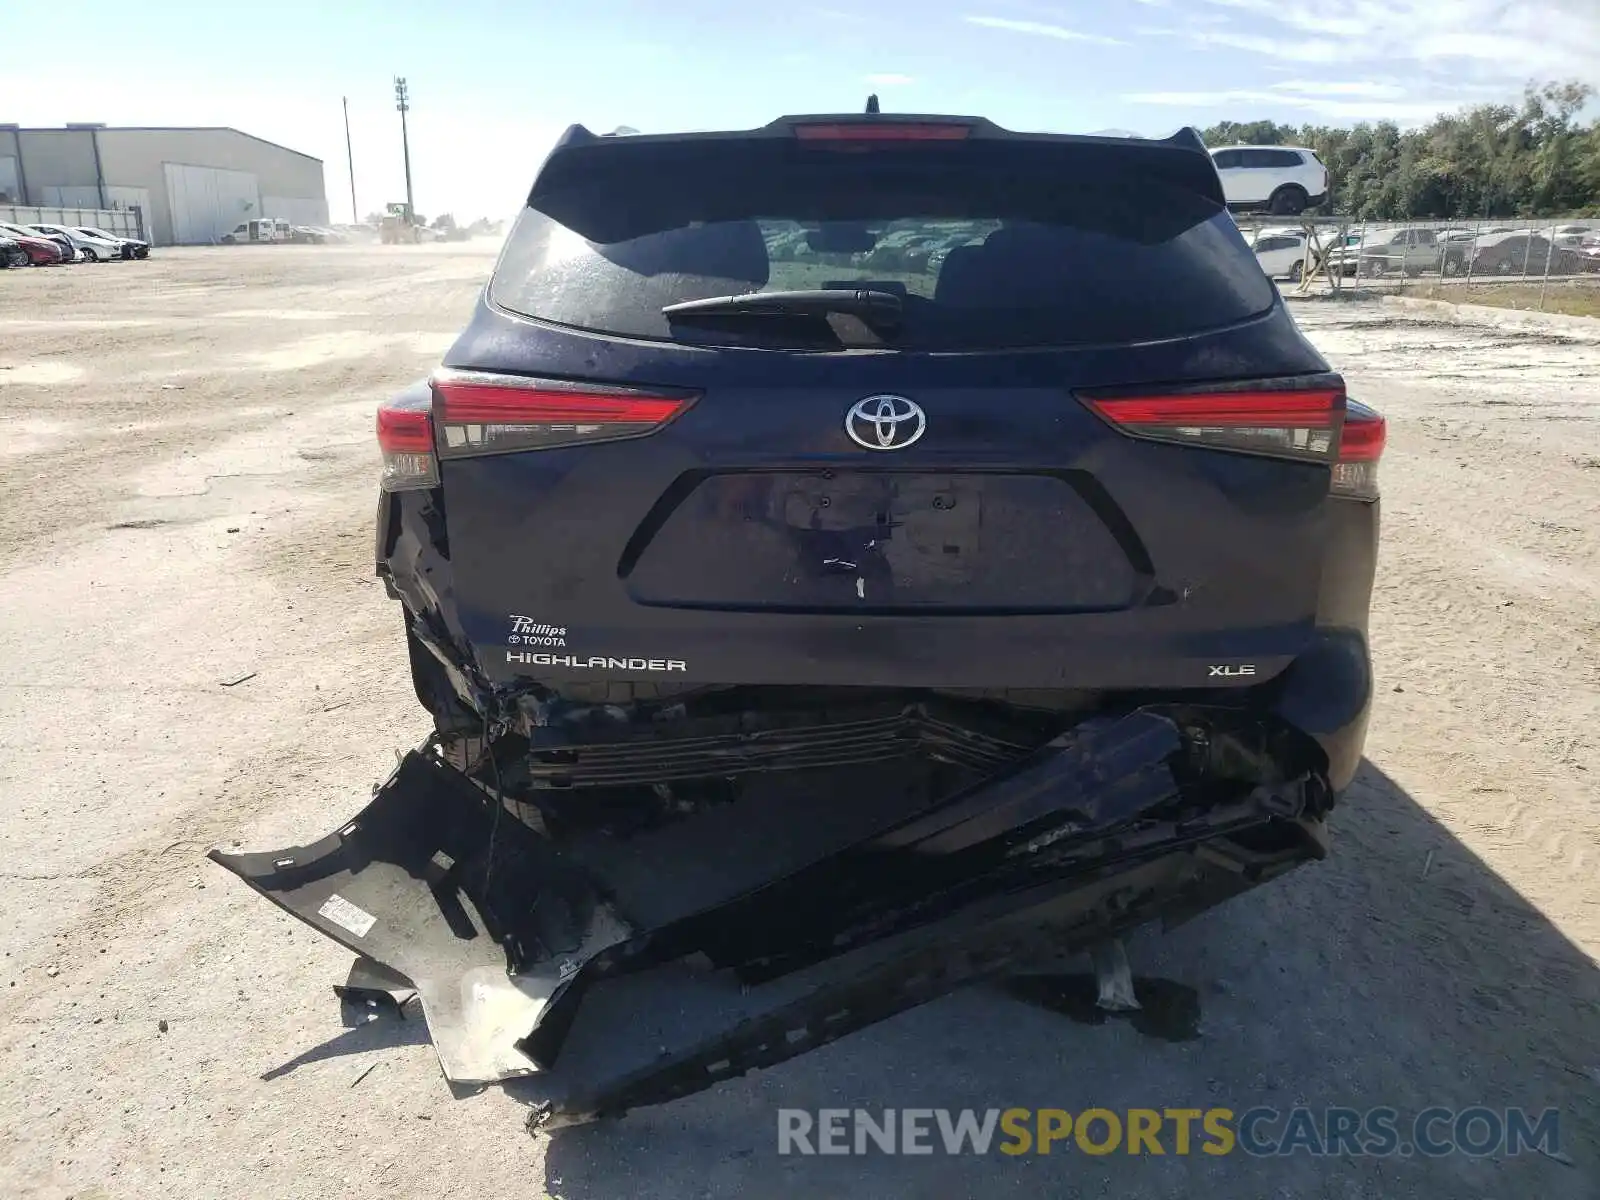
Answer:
(1180, 160)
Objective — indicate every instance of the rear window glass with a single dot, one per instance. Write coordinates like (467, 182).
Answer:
(982, 259)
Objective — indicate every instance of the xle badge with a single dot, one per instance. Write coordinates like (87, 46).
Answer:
(1227, 672)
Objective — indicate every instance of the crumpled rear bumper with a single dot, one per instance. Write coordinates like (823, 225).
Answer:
(537, 959)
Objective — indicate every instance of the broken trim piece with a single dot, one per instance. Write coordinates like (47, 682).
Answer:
(768, 1025)
(480, 916)
(524, 965)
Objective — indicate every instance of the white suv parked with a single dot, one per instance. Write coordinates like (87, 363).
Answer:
(1281, 252)
(1285, 180)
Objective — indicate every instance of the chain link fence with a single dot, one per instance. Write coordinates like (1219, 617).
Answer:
(1322, 253)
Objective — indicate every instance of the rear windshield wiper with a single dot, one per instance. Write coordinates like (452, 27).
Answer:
(879, 309)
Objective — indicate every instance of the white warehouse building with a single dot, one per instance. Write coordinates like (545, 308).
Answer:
(190, 186)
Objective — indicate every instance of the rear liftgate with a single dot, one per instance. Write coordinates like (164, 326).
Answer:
(624, 980)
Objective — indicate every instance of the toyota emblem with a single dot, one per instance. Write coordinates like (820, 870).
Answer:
(885, 422)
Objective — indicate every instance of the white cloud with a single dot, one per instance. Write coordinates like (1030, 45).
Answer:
(1403, 112)
(1474, 40)
(1400, 60)
(1330, 87)
(1041, 29)
(1342, 17)
(1545, 56)
(890, 79)
(1313, 51)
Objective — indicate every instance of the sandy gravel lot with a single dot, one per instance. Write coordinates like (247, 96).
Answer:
(187, 474)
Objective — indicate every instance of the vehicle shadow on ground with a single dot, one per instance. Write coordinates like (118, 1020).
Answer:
(1401, 972)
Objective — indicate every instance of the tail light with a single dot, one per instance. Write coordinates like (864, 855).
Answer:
(405, 436)
(1361, 442)
(481, 413)
(477, 413)
(1286, 423)
(1311, 423)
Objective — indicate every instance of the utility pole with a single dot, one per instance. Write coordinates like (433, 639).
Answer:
(402, 102)
(350, 157)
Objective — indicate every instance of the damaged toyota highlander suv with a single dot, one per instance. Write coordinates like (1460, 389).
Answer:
(810, 629)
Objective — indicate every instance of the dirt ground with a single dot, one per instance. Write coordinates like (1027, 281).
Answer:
(193, 650)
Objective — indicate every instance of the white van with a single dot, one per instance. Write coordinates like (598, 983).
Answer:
(260, 229)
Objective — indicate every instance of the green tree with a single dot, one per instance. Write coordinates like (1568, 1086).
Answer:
(1492, 160)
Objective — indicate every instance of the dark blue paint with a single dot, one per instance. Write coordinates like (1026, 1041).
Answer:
(1228, 550)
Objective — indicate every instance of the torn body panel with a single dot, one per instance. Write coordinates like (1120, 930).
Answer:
(479, 915)
(519, 944)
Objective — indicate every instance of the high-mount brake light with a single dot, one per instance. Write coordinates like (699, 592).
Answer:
(405, 437)
(481, 413)
(1316, 424)
(866, 133)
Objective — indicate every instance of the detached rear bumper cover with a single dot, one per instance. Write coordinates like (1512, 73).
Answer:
(407, 884)
(527, 964)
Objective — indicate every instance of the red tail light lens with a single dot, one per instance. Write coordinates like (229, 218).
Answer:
(1316, 424)
(481, 413)
(1361, 444)
(1289, 423)
(870, 133)
(405, 437)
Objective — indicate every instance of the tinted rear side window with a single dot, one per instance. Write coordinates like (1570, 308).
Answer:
(984, 259)
(1271, 158)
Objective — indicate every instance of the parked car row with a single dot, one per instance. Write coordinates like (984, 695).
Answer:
(46, 245)
(1455, 251)
(1446, 250)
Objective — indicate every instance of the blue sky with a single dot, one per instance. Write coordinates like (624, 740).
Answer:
(494, 82)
